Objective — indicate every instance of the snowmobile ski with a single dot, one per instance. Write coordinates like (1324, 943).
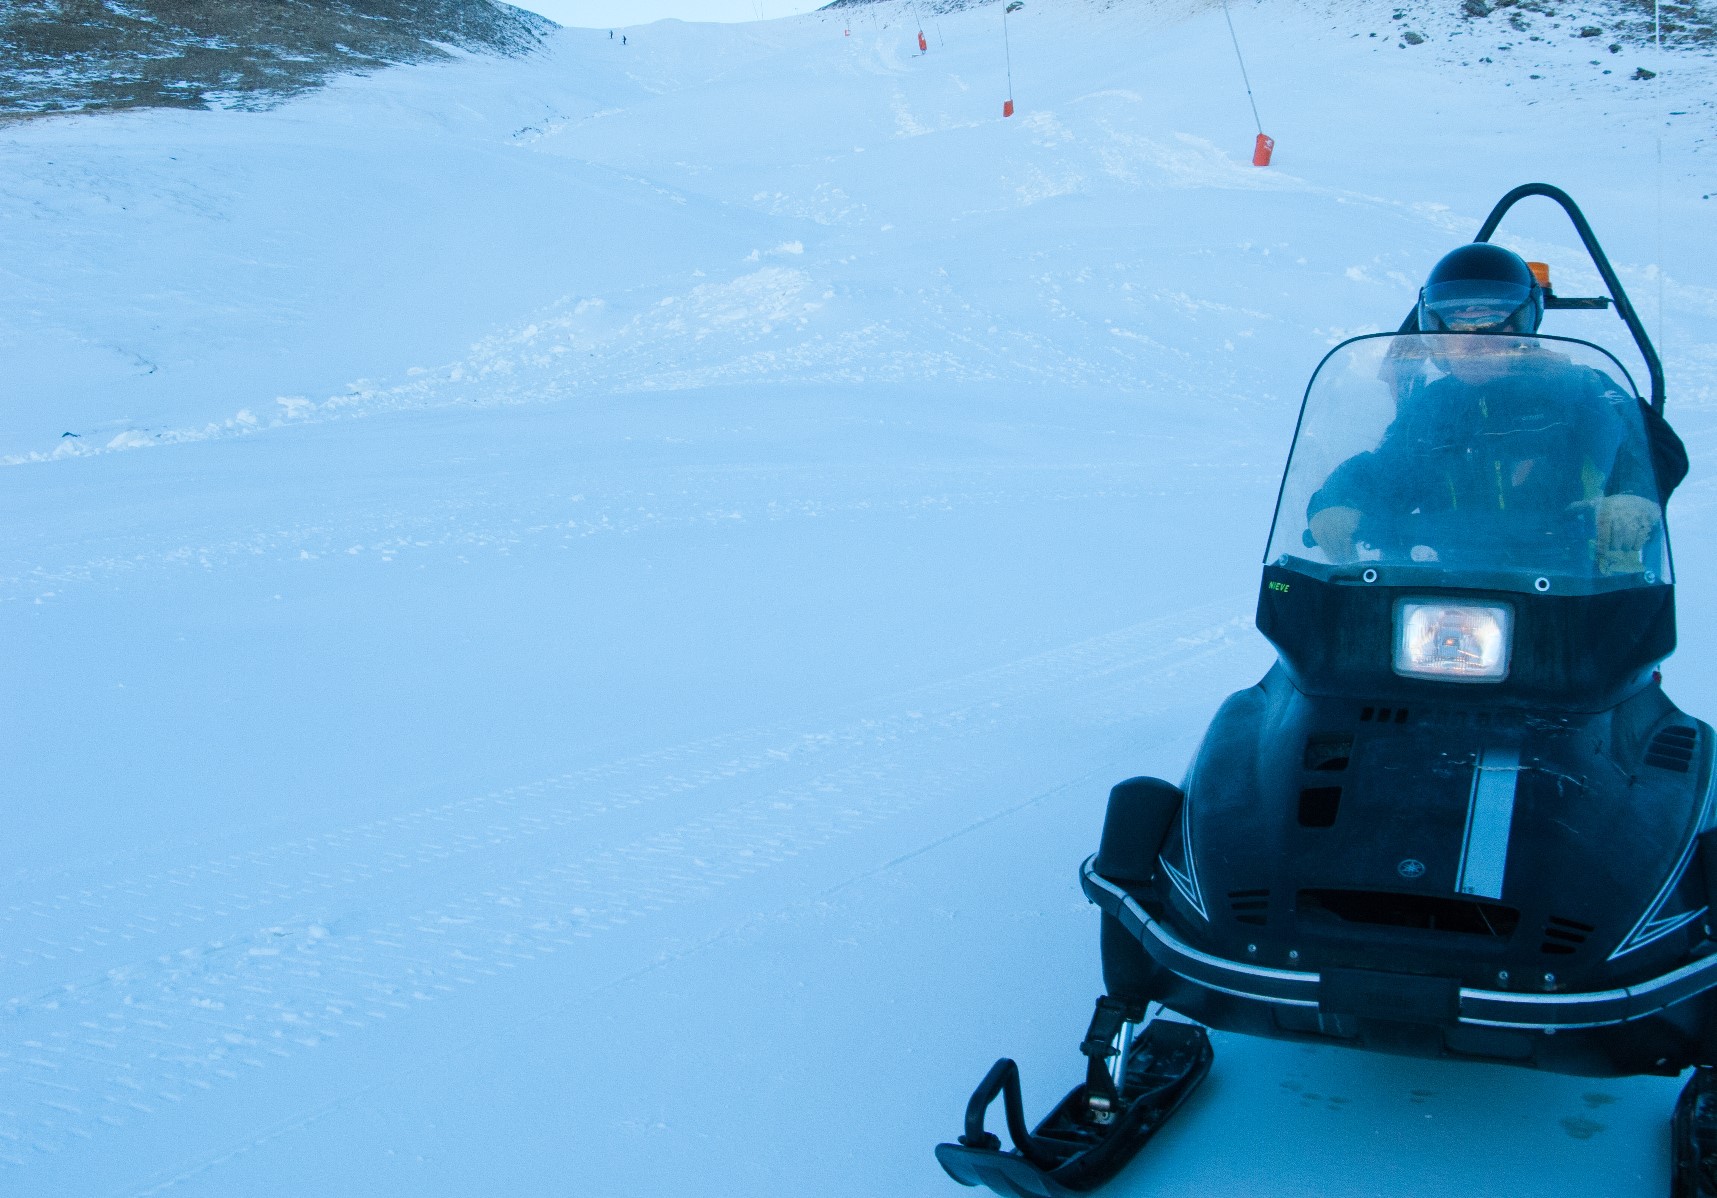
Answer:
(1100, 1126)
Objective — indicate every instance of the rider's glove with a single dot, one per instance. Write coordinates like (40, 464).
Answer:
(1624, 524)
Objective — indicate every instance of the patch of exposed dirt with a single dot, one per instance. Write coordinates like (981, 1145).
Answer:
(61, 56)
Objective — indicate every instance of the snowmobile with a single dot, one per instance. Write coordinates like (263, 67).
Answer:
(1458, 818)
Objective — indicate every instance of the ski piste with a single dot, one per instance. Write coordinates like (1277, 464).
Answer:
(487, 620)
(1387, 844)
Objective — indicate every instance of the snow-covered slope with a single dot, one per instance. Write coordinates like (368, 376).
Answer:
(590, 602)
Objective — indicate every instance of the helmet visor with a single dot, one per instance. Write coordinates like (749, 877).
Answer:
(1477, 306)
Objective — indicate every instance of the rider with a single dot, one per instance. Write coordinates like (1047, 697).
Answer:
(1495, 437)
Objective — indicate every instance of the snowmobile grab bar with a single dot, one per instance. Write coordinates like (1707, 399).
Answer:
(1624, 309)
(1003, 1079)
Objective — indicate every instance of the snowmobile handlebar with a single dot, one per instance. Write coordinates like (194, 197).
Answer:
(1624, 309)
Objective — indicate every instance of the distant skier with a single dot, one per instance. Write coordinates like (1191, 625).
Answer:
(1505, 435)
(622, 39)
(610, 35)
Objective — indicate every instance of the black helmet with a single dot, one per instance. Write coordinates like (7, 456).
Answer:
(1481, 288)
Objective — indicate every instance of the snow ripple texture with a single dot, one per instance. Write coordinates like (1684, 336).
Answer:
(167, 1012)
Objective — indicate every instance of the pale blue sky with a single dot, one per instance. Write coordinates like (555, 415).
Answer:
(616, 14)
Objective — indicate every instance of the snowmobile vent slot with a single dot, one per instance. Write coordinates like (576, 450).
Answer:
(1250, 906)
(1383, 715)
(1318, 805)
(1328, 751)
(1672, 749)
(1431, 913)
(1564, 936)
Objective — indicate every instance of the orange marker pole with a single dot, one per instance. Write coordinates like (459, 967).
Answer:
(1007, 52)
(1262, 148)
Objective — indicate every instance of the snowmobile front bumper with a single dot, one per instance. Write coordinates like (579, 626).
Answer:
(1391, 996)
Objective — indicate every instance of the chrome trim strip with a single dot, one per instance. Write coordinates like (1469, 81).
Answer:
(1183, 884)
(1541, 1027)
(1490, 817)
(1663, 927)
(1180, 947)
(1186, 882)
(1572, 998)
(1484, 1008)
(1172, 942)
(1309, 1003)
(1189, 859)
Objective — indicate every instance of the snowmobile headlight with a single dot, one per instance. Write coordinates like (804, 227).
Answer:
(1453, 642)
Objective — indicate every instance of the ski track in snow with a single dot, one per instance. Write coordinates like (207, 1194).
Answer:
(163, 1017)
(479, 522)
(565, 353)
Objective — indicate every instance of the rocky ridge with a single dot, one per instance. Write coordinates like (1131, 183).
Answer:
(60, 56)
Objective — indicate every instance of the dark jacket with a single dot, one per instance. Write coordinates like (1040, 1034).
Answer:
(1528, 446)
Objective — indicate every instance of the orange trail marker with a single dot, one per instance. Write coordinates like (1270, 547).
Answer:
(1262, 147)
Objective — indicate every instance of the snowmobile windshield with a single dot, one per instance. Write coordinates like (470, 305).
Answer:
(1472, 460)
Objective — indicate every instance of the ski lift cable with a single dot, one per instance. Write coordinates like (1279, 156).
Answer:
(1242, 61)
(1661, 122)
(937, 18)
